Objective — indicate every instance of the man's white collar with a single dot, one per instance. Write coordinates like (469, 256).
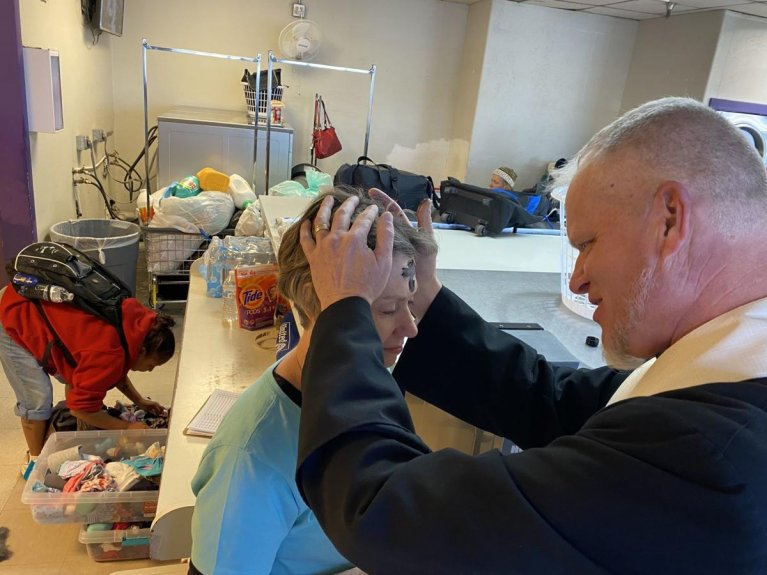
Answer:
(731, 347)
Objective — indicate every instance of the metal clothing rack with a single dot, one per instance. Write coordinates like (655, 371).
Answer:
(256, 60)
(274, 60)
(170, 252)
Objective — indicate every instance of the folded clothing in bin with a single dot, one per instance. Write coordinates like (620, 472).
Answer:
(89, 493)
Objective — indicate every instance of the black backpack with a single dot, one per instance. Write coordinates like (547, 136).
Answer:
(96, 290)
(406, 188)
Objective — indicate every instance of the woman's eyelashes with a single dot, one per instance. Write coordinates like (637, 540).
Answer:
(390, 310)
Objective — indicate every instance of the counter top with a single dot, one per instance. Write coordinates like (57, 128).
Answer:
(212, 356)
(506, 252)
(459, 249)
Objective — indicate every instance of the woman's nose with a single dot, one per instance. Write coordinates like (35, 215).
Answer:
(407, 327)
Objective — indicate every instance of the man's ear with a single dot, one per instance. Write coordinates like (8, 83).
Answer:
(672, 206)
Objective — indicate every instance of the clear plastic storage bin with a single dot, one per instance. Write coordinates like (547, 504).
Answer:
(116, 544)
(104, 507)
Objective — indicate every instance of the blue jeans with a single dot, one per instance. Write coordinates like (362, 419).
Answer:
(30, 383)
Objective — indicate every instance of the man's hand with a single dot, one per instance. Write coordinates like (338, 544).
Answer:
(152, 407)
(341, 262)
(425, 263)
(138, 425)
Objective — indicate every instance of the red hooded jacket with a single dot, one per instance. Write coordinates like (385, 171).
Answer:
(93, 343)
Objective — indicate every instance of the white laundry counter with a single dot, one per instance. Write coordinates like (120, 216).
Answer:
(212, 356)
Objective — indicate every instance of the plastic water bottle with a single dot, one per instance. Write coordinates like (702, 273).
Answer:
(215, 267)
(229, 306)
(30, 287)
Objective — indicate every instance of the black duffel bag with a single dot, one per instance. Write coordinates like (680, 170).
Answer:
(406, 188)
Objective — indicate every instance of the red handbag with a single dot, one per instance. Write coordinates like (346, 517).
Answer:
(325, 141)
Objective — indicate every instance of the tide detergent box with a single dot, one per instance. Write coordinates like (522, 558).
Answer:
(256, 291)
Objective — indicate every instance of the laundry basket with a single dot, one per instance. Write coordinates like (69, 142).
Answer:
(250, 100)
(113, 243)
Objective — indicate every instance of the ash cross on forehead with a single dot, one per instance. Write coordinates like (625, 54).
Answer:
(409, 272)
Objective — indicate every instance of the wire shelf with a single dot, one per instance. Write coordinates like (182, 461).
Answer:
(170, 255)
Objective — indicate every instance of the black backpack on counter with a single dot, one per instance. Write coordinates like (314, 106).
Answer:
(96, 290)
(406, 188)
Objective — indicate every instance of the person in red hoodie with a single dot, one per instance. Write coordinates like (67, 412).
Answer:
(99, 357)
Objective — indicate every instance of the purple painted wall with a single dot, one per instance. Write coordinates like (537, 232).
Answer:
(17, 209)
(739, 107)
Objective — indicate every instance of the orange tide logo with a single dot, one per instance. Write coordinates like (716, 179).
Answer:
(252, 297)
(255, 294)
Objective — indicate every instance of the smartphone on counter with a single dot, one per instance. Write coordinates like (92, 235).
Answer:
(506, 325)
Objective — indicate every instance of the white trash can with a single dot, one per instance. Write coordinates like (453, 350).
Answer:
(113, 243)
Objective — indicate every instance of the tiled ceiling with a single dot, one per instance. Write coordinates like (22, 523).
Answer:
(646, 9)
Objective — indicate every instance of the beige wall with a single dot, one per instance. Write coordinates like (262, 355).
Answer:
(468, 87)
(86, 80)
(415, 46)
(673, 57)
(550, 79)
(717, 54)
(460, 90)
(739, 70)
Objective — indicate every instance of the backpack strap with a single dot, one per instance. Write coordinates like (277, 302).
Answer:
(432, 194)
(56, 341)
(121, 333)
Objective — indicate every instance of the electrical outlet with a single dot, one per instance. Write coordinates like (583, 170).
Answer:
(299, 10)
(98, 135)
(82, 143)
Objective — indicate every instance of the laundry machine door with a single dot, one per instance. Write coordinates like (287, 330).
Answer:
(754, 134)
(749, 118)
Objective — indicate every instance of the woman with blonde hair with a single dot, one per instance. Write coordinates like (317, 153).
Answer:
(249, 516)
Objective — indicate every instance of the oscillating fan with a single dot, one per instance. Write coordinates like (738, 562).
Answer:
(300, 40)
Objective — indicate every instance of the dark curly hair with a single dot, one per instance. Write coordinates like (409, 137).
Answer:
(160, 341)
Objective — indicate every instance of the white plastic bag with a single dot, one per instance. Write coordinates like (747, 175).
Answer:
(207, 211)
(289, 188)
(251, 222)
(240, 191)
(141, 204)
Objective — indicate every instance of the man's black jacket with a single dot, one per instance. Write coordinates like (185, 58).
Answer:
(674, 483)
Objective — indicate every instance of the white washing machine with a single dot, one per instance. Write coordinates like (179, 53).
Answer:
(749, 118)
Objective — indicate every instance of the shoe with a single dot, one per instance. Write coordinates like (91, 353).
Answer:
(28, 466)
